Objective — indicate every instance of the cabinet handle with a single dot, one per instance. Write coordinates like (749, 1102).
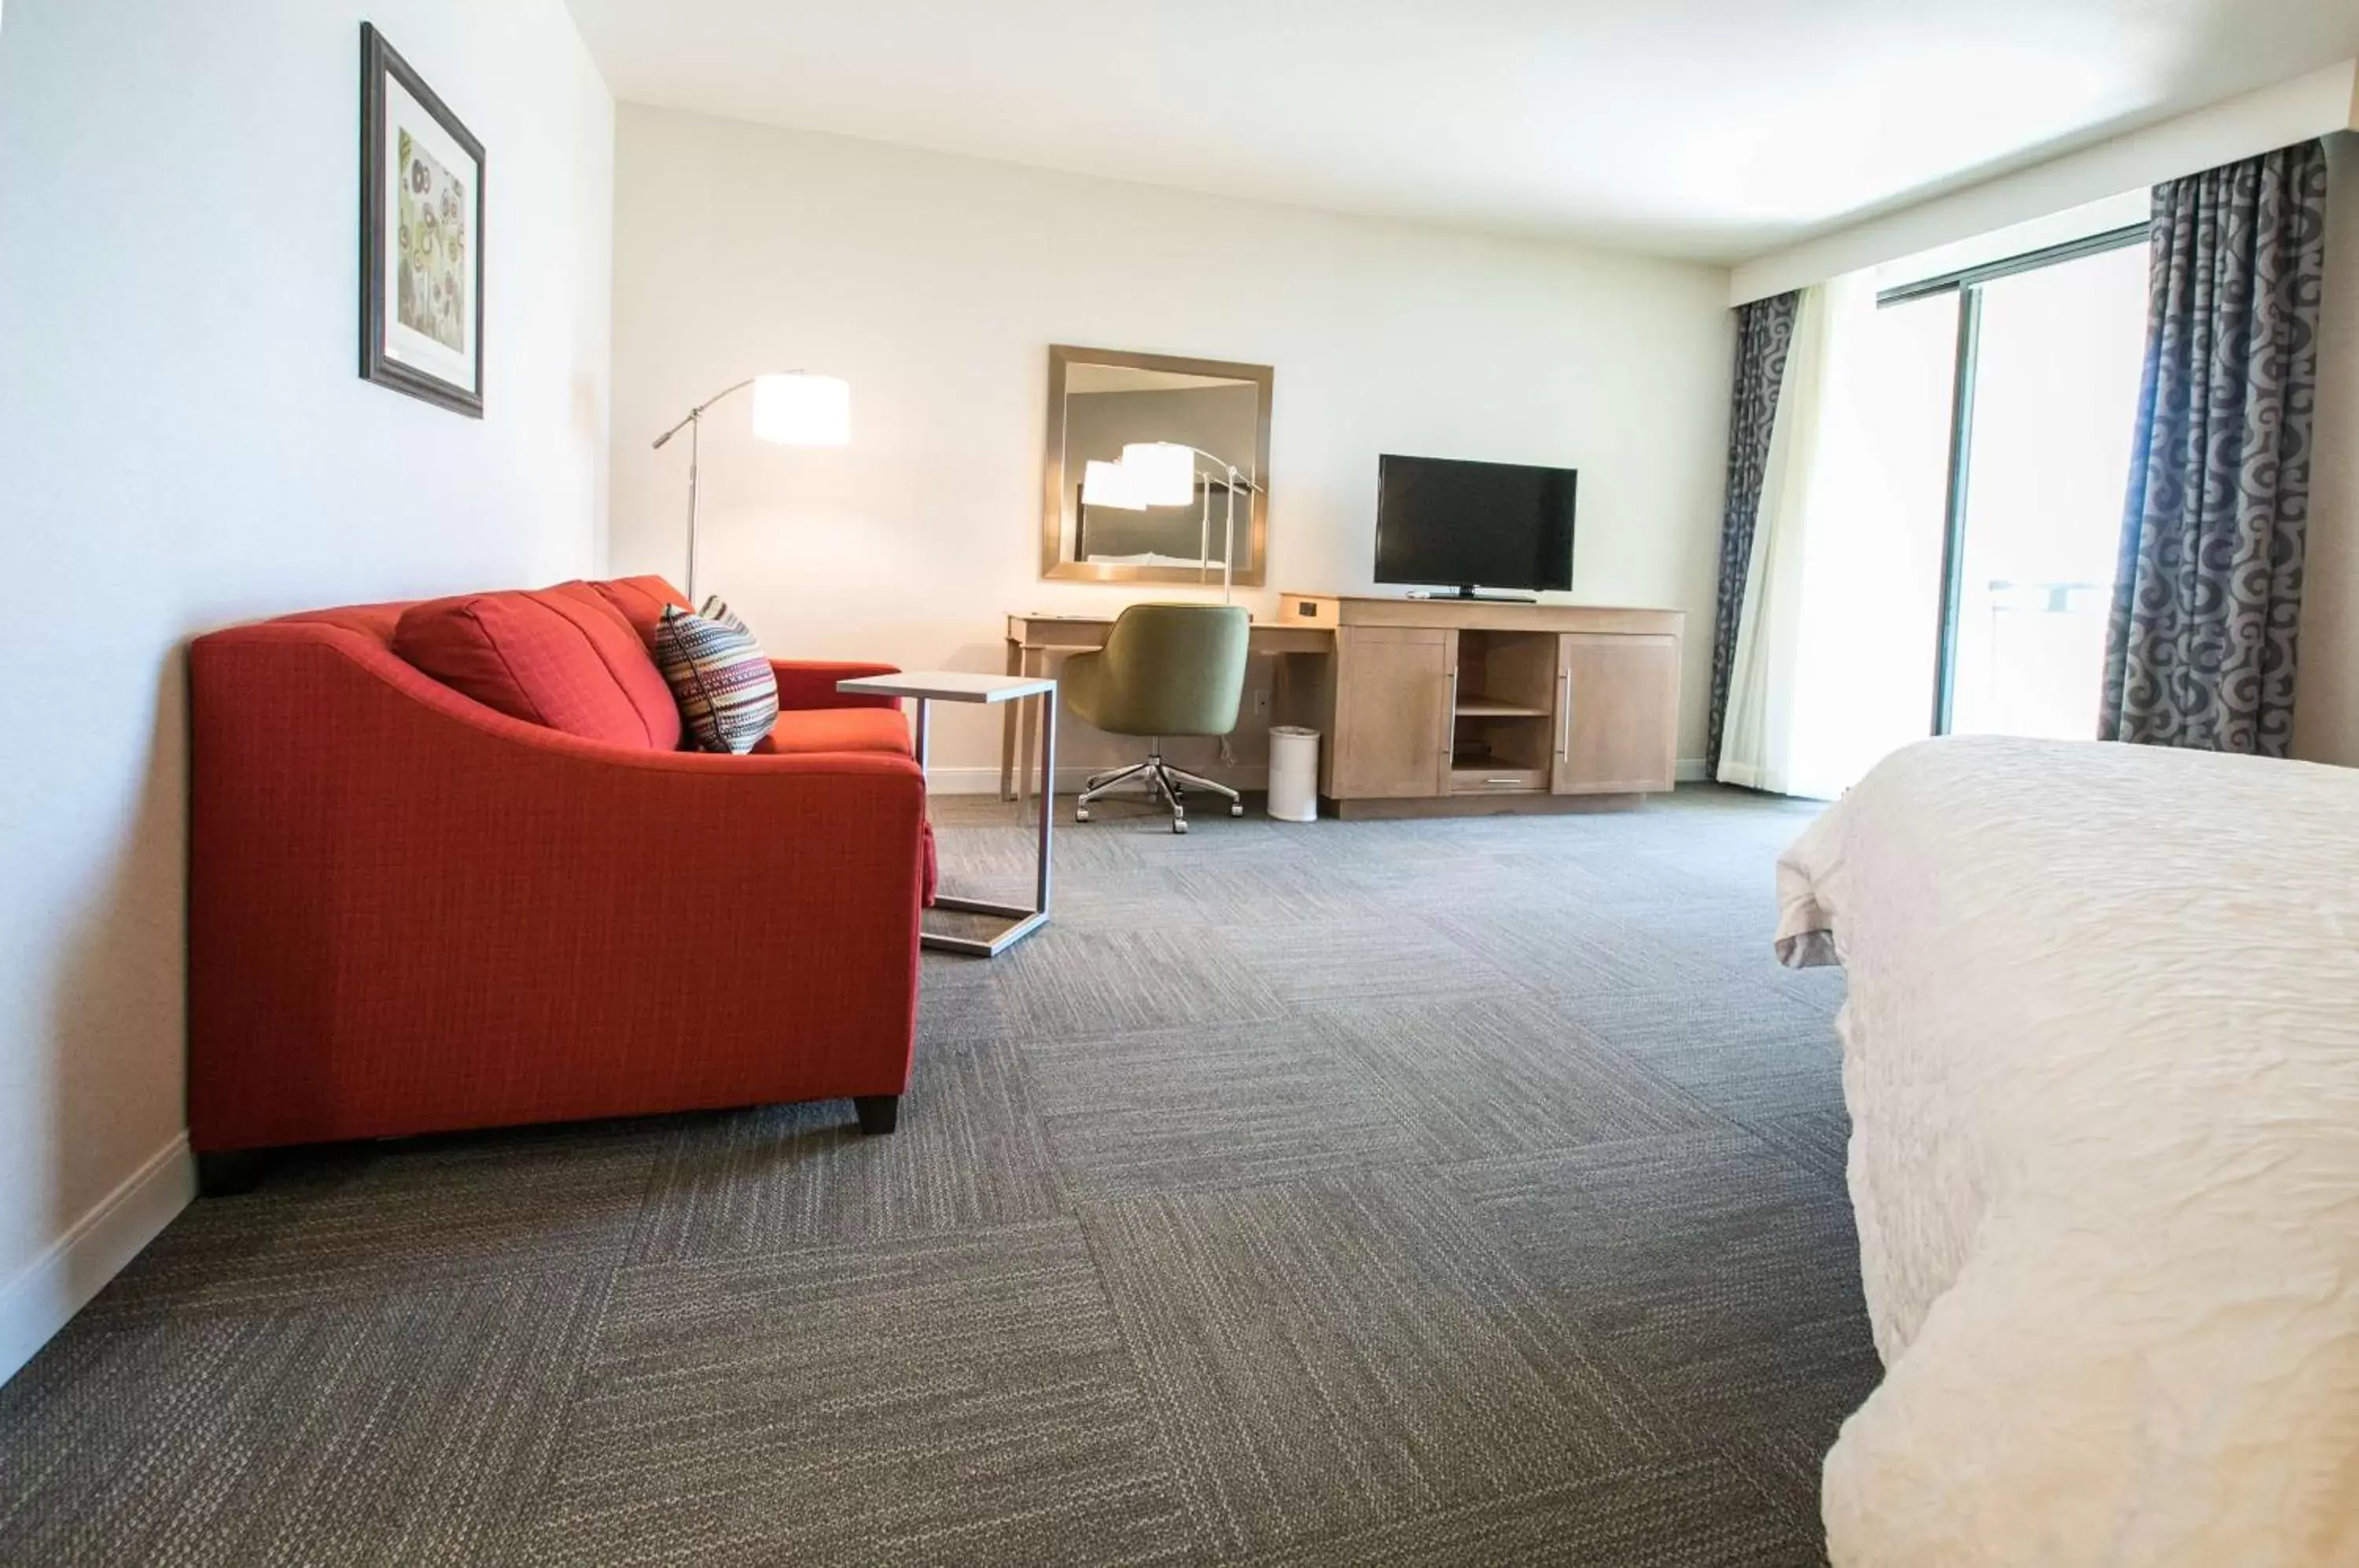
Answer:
(1564, 711)
(1449, 719)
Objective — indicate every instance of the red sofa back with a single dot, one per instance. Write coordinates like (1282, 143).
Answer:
(561, 657)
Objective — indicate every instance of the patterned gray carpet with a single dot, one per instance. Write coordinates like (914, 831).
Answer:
(1396, 1193)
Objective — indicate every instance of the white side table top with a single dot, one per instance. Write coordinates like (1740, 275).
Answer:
(947, 686)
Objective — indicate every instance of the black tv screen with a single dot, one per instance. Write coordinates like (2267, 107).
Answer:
(1448, 523)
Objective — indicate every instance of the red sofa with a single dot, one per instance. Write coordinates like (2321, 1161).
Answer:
(412, 912)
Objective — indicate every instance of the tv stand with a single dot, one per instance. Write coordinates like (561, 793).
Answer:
(1468, 590)
(1456, 705)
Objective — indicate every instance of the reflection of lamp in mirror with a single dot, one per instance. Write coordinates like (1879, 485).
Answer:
(1110, 484)
(1163, 473)
(795, 409)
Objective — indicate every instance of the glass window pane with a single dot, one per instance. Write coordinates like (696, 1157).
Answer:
(1871, 591)
(2055, 396)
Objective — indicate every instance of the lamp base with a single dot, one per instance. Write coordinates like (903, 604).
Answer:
(1469, 591)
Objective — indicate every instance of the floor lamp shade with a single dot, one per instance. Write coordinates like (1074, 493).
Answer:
(801, 410)
(795, 409)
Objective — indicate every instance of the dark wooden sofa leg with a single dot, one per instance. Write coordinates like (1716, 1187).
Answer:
(879, 1113)
(231, 1171)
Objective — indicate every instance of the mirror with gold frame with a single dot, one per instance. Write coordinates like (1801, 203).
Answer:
(1101, 401)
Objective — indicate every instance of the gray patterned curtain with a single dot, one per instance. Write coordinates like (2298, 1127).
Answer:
(1764, 329)
(2200, 649)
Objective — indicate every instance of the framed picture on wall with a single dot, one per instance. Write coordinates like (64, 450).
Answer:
(422, 237)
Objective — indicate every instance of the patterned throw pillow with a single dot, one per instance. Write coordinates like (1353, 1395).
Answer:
(727, 694)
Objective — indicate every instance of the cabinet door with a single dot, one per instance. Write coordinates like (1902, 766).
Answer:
(1392, 712)
(1617, 714)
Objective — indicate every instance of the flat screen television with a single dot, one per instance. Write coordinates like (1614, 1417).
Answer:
(1447, 523)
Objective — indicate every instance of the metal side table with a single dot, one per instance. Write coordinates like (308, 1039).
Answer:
(925, 687)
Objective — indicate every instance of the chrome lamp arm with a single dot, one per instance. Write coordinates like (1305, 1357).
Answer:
(693, 423)
(698, 413)
(1229, 471)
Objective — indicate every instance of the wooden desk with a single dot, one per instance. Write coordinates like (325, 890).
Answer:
(1446, 707)
(1034, 638)
(1442, 707)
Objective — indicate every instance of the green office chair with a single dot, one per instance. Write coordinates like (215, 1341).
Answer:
(1165, 670)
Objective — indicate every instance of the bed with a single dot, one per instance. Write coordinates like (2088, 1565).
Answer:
(2101, 1050)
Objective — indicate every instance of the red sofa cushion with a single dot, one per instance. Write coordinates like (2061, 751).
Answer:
(805, 730)
(563, 658)
(641, 601)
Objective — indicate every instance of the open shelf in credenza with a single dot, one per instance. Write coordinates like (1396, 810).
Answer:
(1508, 708)
(1499, 754)
(1503, 732)
(1481, 707)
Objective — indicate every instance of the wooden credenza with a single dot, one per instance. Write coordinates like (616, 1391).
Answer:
(1445, 706)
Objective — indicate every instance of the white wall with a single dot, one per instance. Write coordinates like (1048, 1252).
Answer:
(2310, 106)
(186, 442)
(935, 285)
(2326, 688)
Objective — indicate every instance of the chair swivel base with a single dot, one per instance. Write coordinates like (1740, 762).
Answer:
(1163, 782)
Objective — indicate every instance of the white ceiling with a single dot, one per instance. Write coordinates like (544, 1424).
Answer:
(1708, 128)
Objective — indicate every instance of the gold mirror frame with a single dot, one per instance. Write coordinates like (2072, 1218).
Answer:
(1252, 571)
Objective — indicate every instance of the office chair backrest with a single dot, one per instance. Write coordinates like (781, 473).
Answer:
(1175, 669)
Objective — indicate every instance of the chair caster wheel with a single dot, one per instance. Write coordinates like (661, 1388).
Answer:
(1179, 825)
(1081, 813)
(1237, 809)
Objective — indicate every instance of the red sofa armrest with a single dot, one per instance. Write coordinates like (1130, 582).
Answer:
(811, 683)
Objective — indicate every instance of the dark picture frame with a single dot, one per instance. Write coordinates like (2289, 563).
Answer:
(421, 315)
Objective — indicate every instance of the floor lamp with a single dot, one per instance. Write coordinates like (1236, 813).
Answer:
(790, 408)
(1163, 473)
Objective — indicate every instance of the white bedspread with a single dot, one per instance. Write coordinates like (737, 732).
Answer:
(2101, 1054)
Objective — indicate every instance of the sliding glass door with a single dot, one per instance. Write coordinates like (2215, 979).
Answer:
(2048, 351)
(1871, 548)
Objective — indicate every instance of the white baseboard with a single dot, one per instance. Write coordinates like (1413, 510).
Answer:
(986, 780)
(48, 1291)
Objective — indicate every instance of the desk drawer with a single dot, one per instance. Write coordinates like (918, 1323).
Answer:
(1498, 781)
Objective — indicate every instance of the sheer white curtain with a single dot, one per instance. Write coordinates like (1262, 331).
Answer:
(1834, 666)
(1757, 746)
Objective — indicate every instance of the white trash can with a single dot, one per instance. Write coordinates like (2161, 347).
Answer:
(1293, 774)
